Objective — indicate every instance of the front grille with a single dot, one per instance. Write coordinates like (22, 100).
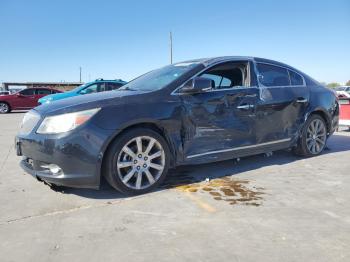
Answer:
(30, 120)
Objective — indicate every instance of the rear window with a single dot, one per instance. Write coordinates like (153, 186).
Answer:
(273, 75)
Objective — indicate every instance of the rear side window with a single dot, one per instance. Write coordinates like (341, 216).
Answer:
(27, 92)
(43, 91)
(113, 86)
(273, 75)
(295, 79)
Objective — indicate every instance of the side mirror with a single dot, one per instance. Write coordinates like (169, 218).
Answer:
(19, 95)
(198, 85)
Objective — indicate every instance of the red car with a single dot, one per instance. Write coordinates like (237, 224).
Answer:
(24, 99)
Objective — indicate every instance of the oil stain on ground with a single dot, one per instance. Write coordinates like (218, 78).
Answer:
(225, 189)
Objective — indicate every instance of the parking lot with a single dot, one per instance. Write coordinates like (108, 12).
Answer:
(259, 209)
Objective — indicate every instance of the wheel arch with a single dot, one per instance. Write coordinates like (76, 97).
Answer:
(152, 125)
(325, 116)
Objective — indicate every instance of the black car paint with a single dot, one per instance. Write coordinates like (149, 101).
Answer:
(195, 126)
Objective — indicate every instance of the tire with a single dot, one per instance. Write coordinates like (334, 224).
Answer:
(313, 138)
(137, 172)
(4, 108)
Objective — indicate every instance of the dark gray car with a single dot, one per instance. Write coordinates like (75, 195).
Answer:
(193, 112)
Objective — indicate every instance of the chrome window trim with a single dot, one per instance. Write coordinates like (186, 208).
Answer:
(175, 93)
(284, 67)
(239, 148)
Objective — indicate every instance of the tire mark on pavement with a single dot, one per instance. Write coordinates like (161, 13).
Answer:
(5, 159)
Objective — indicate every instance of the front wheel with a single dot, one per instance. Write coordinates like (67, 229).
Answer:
(314, 137)
(137, 161)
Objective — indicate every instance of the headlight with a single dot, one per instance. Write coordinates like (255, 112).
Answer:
(65, 122)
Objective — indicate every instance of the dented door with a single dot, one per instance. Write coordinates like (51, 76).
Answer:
(280, 112)
(219, 120)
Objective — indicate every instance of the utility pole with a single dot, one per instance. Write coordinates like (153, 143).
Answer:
(80, 74)
(171, 47)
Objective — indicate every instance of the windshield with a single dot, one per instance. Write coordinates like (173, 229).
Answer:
(159, 78)
(79, 87)
(340, 88)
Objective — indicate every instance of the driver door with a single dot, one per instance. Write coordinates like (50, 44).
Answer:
(25, 99)
(222, 119)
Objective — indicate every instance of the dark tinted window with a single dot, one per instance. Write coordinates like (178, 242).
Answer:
(295, 79)
(43, 91)
(102, 87)
(113, 86)
(27, 92)
(273, 75)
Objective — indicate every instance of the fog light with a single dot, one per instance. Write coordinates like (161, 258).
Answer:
(54, 169)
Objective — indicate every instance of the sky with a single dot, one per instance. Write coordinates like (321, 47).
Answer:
(44, 40)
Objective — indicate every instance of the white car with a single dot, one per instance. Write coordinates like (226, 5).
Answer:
(343, 91)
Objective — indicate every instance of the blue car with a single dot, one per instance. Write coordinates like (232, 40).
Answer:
(99, 85)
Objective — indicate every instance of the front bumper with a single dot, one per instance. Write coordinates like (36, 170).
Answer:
(77, 153)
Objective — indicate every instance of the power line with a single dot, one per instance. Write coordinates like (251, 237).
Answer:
(171, 47)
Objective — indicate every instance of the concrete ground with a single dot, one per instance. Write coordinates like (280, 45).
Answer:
(281, 208)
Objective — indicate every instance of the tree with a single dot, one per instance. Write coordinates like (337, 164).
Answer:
(333, 85)
(348, 83)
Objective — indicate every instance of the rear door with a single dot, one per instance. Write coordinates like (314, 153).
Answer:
(41, 92)
(282, 105)
(219, 120)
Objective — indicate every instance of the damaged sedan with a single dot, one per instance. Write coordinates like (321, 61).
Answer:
(193, 112)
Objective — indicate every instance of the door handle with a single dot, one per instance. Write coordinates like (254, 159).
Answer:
(301, 100)
(245, 106)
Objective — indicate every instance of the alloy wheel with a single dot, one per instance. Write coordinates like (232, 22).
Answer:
(4, 108)
(316, 136)
(141, 162)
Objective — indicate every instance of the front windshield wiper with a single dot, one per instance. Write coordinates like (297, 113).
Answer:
(128, 88)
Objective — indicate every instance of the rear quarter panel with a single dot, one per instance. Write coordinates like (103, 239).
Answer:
(324, 100)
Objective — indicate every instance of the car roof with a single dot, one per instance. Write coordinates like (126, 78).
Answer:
(106, 80)
(214, 60)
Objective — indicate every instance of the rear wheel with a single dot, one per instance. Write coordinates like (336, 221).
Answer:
(4, 108)
(137, 161)
(314, 137)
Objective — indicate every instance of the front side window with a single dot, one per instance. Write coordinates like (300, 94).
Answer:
(228, 75)
(27, 92)
(90, 89)
(273, 75)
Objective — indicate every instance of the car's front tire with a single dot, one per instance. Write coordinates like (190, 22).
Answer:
(313, 138)
(137, 161)
(4, 108)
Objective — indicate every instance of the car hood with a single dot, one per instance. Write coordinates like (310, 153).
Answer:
(55, 97)
(84, 102)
